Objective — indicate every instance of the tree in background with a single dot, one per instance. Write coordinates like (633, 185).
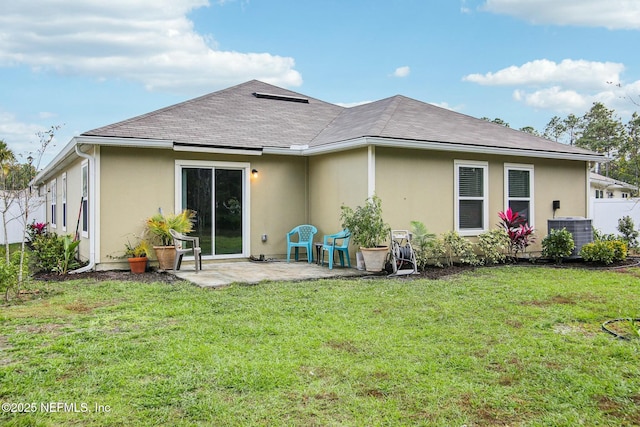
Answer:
(628, 162)
(17, 190)
(603, 133)
(531, 130)
(555, 129)
(7, 162)
(497, 121)
(572, 125)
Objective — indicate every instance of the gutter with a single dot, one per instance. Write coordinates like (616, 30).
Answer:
(92, 212)
(430, 145)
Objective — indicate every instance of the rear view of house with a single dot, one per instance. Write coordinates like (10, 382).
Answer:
(254, 160)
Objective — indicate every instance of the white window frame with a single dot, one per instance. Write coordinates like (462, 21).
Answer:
(246, 214)
(485, 196)
(64, 202)
(53, 189)
(84, 197)
(530, 199)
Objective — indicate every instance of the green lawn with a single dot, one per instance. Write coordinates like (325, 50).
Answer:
(498, 346)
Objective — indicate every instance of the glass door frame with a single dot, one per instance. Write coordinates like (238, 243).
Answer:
(246, 193)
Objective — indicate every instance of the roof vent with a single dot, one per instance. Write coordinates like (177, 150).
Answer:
(281, 97)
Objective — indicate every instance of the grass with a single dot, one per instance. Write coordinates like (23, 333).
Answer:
(499, 346)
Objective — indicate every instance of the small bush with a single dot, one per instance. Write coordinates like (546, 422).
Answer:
(626, 227)
(604, 251)
(557, 245)
(620, 250)
(421, 241)
(54, 253)
(8, 276)
(459, 248)
(48, 250)
(9, 273)
(493, 245)
(599, 235)
(435, 252)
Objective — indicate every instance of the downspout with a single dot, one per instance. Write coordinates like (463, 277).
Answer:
(371, 170)
(92, 216)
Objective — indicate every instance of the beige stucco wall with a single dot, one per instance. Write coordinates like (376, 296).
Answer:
(279, 202)
(290, 190)
(334, 180)
(419, 185)
(74, 192)
(278, 196)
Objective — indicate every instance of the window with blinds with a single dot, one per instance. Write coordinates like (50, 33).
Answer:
(519, 190)
(471, 197)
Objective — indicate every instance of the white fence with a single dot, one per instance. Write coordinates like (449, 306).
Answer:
(15, 222)
(605, 213)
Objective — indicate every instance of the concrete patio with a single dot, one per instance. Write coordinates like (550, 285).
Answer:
(220, 274)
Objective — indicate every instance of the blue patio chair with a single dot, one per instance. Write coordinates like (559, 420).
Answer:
(337, 242)
(305, 240)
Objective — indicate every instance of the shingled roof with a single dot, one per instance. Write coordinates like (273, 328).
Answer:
(234, 118)
(256, 115)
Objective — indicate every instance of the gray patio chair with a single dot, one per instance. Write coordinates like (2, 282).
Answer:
(181, 249)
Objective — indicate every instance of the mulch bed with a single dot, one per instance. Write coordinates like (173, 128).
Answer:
(115, 275)
(430, 273)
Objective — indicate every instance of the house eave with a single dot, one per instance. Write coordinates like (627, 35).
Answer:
(68, 153)
(434, 146)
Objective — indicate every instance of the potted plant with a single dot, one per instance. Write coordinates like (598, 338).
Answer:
(158, 227)
(137, 256)
(368, 230)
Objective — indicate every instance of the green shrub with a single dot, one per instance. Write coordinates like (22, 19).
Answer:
(48, 249)
(458, 248)
(435, 252)
(604, 251)
(8, 276)
(9, 272)
(68, 260)
(557, 245)
(421, 241)
(621, 249)
(54, 253)
(628, 231)
(599, 235)
(493, 245)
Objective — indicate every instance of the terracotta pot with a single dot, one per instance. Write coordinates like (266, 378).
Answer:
(166, 256)
(138, 265)
(374, 258)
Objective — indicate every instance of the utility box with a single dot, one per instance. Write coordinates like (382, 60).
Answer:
(581, 229)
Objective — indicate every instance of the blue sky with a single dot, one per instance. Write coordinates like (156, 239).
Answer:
(87, 63)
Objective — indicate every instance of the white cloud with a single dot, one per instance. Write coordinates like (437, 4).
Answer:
(447, 106)
(570, 86)
(577, 73)
(612, 14)
(20, 137)
(554, 98)
(567, 101)
(402, 71)
(147, 41)
(352, 104)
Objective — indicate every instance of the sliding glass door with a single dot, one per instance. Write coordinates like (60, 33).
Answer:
(217, 193)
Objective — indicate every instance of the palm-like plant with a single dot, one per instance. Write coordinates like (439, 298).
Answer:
(159, 225)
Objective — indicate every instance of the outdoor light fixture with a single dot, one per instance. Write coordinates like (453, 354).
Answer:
(254, 172)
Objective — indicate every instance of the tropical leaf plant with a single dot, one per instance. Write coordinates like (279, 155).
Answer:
(159, 225)
(520, 233)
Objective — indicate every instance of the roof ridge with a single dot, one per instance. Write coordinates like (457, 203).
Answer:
(395, 103)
